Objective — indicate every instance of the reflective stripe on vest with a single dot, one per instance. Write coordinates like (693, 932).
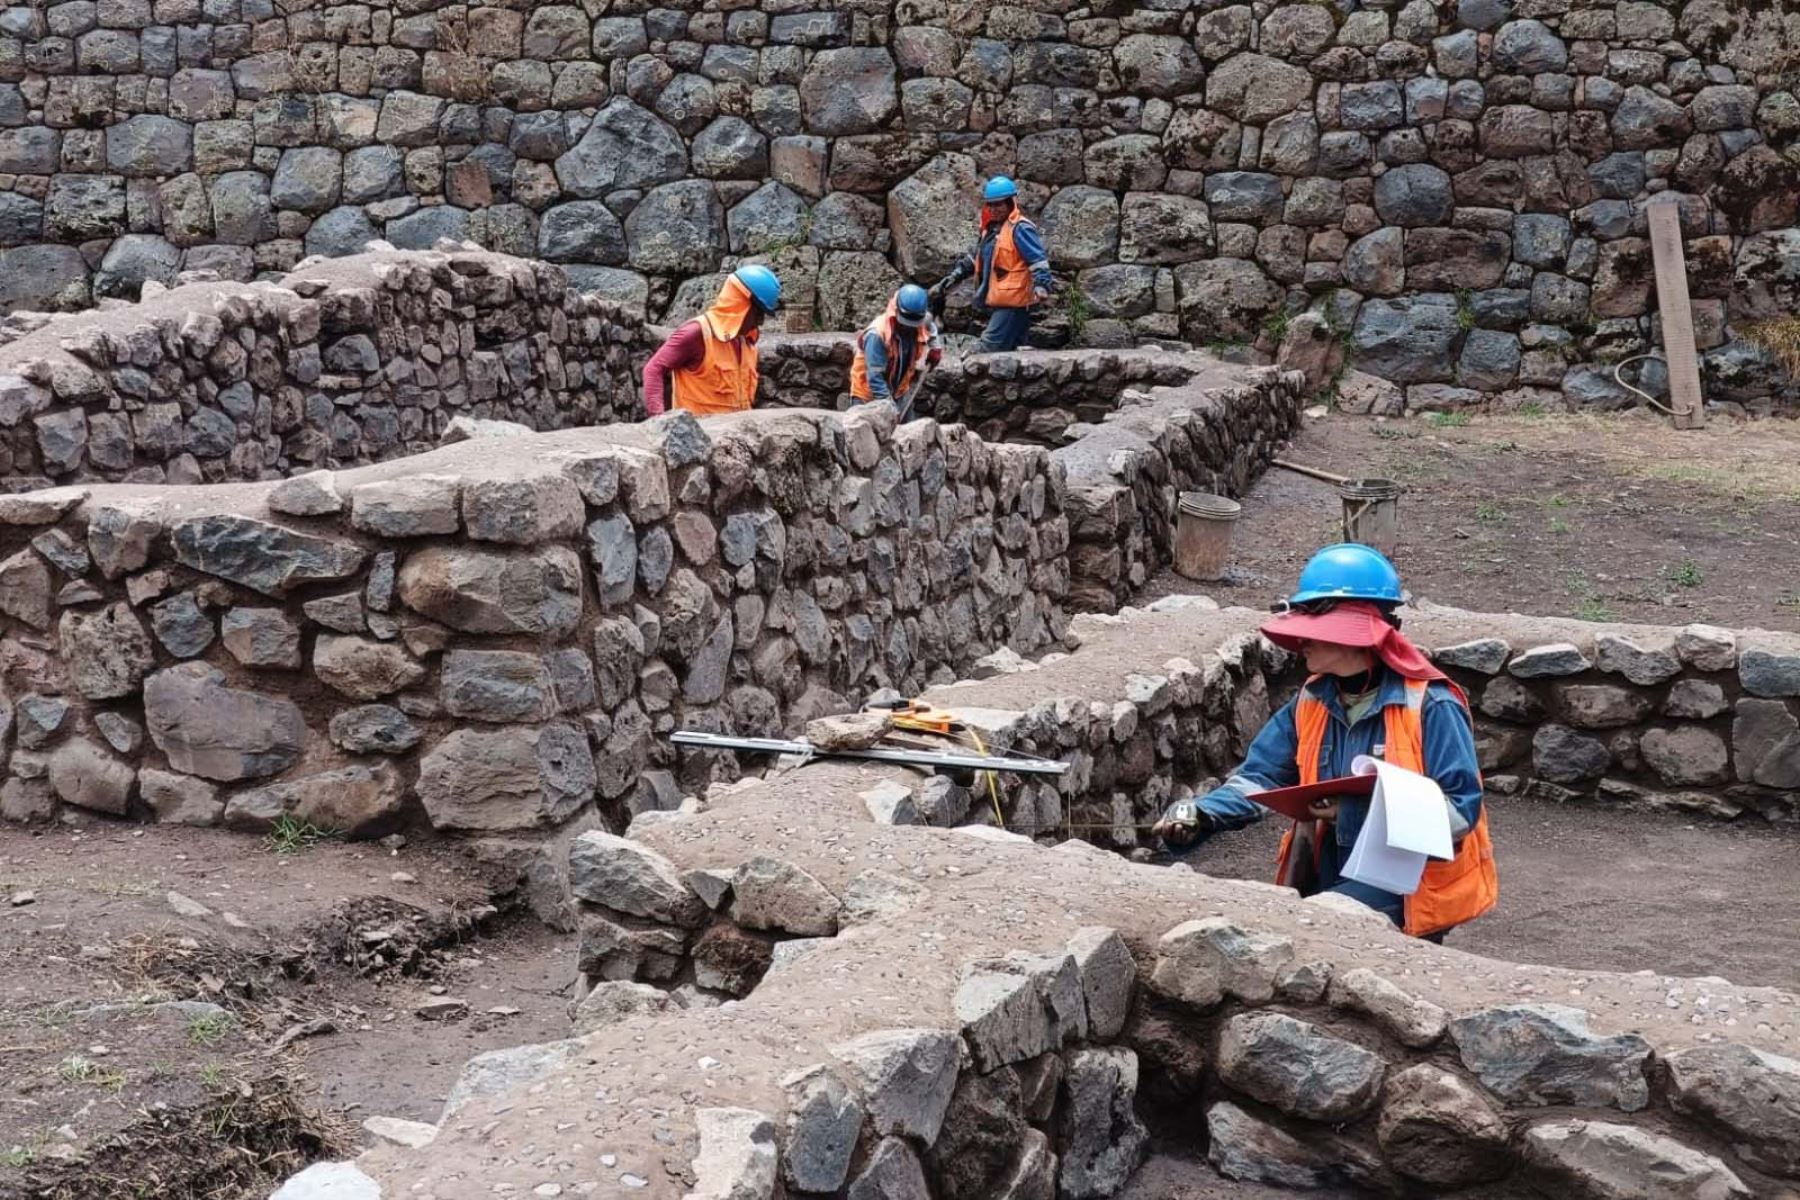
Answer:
(1009, 284)
(890, 334)
(724, 380)
(1450, 893)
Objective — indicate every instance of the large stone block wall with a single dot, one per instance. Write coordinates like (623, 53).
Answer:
(341, 362)
(1462, 187)
(495, 636)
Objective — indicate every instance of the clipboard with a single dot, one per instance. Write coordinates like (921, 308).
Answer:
(1291, 802)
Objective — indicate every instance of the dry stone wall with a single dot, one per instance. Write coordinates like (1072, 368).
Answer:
(496, 636)
(808, 1001)
(1461, 187)
(340, 362)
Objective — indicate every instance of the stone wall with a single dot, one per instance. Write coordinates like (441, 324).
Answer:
(495, 636)
(1160, 703)
(1461, 187)
(341, 362)
(808, 1001)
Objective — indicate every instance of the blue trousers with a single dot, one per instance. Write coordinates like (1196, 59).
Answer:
(1007, 329)
(1331, 879)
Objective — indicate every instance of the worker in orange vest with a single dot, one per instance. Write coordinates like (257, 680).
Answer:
(711, 361)
(894, 348)
(1010, 266)
(1371, 692)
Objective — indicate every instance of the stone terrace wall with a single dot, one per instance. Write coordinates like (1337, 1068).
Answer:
(499, 632)
(1198, 167)
(801, 996)
(342, 362)
(1159, 703)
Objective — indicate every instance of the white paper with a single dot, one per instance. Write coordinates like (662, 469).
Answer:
(1408, 824)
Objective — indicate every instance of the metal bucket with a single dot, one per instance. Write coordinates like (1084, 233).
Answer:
(1203, 534)
(1372, 513)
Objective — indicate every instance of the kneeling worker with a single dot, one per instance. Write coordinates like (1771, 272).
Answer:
(889, 353)
(1010, 266)
(1372, 692)
(711, 360)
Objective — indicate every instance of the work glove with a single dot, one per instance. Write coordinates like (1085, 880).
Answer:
(1184, 824)
(934, 357)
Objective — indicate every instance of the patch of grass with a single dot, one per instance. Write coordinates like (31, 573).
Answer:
(17, 1156)
(1558, 525)
(1275, 326)
(77, 1069)
(212, 1076)
(292, 835)
(209, 1030)
(1594, 609)
(1557, 502)
(1686, 573)
(1531, 410)
(1465, 309)
(1489, 513)
(1392, 434)
(1224, 346)
(55, 1016)
(1447, 420)
(1076, 301)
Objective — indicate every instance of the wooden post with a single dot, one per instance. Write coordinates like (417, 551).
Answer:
(1677, 315)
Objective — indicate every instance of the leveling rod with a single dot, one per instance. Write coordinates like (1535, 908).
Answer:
(910, 758)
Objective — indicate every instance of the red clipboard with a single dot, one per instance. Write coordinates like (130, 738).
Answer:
(1292, 801)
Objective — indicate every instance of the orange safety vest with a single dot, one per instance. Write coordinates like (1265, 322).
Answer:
(1009, 285)
(1450, 893)
(888, 328)
(725, 378)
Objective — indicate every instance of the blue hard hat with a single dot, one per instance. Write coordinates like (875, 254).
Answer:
(1348, 571)
(999, 188)
(912, 304)
(764, 288)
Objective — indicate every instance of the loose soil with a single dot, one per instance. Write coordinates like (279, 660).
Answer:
(1596, 890)
(312, 1044)
(1606, 518)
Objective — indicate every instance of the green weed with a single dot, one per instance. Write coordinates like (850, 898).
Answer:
(292, 835)
(1685, 574)
(1489, 513)
(1531, 410)
(18, 1156)
(1076, 301)
(1275, 326)
(212, 1075)
(1594, 609)
(76, 1069)
(1558, 525)
(210, 1030)
(1465, 310)
(1447, 420)
(1558, 502)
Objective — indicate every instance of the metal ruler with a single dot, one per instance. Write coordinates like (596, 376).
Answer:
(1677, 315)
(911, 758)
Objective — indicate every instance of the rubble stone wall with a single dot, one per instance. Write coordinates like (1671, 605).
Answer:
(342, 362)
(499, 633)
(1462, 187)
(811, 997)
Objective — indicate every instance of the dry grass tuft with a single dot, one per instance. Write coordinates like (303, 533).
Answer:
(1781, 338)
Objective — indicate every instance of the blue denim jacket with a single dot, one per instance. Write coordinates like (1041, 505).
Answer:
(1449, 758)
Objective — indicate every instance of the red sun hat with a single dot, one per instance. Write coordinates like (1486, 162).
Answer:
(1355, 623)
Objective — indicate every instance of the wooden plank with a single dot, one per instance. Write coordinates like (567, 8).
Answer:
(1677, 315)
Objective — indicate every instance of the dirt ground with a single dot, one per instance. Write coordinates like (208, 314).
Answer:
(91, 917)
(1602, 517)
(1590, 889)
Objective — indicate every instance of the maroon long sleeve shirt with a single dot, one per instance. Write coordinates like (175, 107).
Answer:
(684, 350)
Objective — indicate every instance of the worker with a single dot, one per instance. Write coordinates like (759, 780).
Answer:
(1370, 692)
(891, 349)
(711, 360)
(1010, 266)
